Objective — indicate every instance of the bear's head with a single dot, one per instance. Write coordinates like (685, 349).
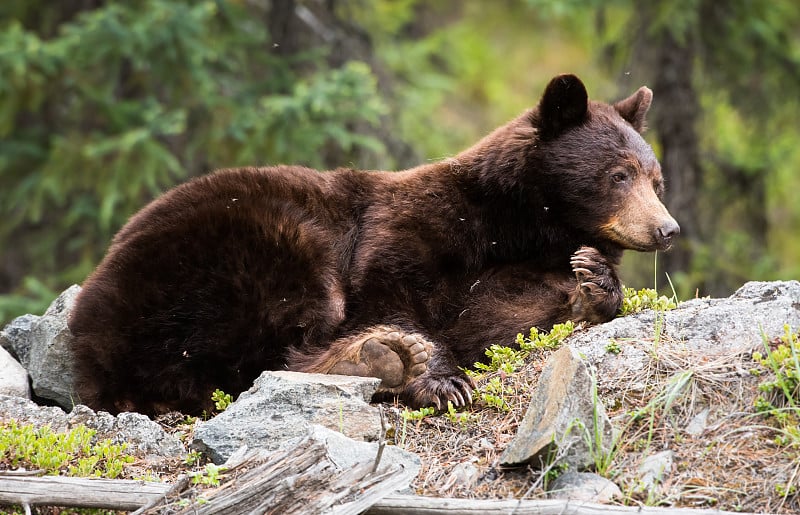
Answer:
(598, 175)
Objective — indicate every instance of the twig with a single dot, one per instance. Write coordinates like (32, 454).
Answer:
(381, 441)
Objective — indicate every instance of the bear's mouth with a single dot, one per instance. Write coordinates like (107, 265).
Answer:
(629, 242)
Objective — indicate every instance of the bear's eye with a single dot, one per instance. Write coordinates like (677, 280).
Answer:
(619, 176)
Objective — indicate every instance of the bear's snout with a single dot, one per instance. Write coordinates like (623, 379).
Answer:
(666, 232)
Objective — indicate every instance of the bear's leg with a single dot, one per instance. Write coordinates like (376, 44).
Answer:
(598, 295)
(386, 352)
(409, 365)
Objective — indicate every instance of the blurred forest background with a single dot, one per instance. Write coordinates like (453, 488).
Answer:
(105, 104)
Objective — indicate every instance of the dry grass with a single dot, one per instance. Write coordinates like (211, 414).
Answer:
(730, 462)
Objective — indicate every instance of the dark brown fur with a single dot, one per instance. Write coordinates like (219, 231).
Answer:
(251, 269)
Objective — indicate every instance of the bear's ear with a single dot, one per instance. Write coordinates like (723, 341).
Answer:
(563, 105)
(634, 108)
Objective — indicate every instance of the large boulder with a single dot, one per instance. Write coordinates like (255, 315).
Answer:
(705, 327)
(283, 405)
(41, 343)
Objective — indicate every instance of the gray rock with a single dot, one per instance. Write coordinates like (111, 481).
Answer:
(698, 423)
(653, 471)
(15, 337)
(583, 486)
(13, 377)
(346, 452)
(708, 327)
(145, 438)
(25, 412)
(463, 475)
(50, 363)
(282, 405)
(560, 421)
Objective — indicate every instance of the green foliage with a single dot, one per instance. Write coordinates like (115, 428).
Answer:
(780, 398)
(647, 298)
(193, 458)
(70, 453)
(460, 418)
(418, 414)
(209, 476)
(221, 400)
(493, 394)
(509, 359)
(104, 108)
(415, 415)
(504, 361)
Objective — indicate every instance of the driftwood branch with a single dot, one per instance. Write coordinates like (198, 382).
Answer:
(415, 505)
(78, 492)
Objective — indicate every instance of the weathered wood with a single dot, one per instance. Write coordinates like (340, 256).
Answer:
(416, 505)
(302, 479)
(355, 489)
(114, 494)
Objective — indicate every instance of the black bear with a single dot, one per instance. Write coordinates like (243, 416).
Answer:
(405, 276)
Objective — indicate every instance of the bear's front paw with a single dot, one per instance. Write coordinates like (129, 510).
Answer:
(436, 390)
(599, 293)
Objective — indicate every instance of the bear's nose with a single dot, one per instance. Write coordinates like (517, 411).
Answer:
(665, 233)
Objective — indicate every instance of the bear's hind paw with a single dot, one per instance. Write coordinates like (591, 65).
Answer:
(437, 391)
(394, 357)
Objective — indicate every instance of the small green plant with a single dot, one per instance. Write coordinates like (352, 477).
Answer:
(493, 394)
(545, 340)
(209, 476)
(508, 359)
(635, 301)
(613, 347)
(505, 361)
(221, 400)
(418, 414)
(70, 453)
(456, 417)
(780, 397)
(415, 415)
(193, 458)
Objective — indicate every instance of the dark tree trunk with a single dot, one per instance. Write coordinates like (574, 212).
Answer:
(665, 61)
(674, 119)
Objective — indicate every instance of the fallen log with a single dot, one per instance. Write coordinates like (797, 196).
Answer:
(416, 505)
(75, 492)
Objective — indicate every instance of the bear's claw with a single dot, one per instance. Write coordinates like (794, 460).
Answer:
(437, 391)
(599, 292)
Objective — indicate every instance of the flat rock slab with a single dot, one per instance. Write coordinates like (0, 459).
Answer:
(283, 405)
(560, 421)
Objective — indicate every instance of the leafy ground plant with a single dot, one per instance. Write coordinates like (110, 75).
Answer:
(504, 361)
(779, 399)
(71, 453)
(634, 301)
